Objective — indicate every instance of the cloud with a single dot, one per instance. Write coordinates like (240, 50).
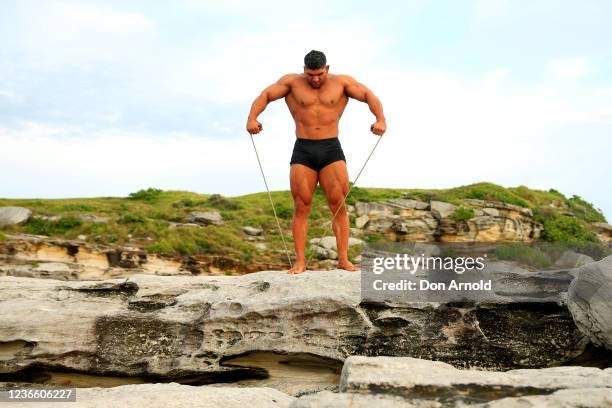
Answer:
(569, 67)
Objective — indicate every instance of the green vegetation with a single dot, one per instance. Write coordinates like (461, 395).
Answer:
(371, 194)
(563, 228)
(541, 255)
(144, 217)
(2, 236)
(150, 194)
(462, 213)
(479, 191)
(585, 210)
(40, 226)
(523, 254)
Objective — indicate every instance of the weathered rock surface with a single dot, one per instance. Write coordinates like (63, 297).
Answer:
(43, 257)
(571, 259)
(14, 215)
(411, 220)
(571, 398)
(173, 395)
(590, 301)
(603, 231)
(205, 217)
(252, 231)
(177, 326)
(433, 380)
(326, 247)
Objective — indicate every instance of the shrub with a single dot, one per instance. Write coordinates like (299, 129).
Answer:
(150, 194)
(562, 228)
(186, 202)
(462, 214)
(2, 236)
(132, 219)
(283, 211)
(584, 210)
(40, 226)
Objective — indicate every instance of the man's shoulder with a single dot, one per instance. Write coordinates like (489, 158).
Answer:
(289, 79)
(345, 79)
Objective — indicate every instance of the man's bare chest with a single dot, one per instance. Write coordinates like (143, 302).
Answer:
(306, 97)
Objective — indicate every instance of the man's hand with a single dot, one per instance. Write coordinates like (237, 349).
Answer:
(254, 127)
(379, 127)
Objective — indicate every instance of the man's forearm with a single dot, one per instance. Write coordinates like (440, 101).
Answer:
(258, 106)
(376, 107)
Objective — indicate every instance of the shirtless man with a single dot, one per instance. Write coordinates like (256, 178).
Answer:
(316, 100)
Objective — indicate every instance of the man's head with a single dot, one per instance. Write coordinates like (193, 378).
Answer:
(316, 68)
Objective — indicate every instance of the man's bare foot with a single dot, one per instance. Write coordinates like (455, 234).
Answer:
(347, 266)
(298, 267)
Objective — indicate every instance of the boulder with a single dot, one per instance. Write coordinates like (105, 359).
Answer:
(440, 209)
(434, 380)
(14, 216)
(252, 231)
(178, 326)
(589, 301)
(205, 217)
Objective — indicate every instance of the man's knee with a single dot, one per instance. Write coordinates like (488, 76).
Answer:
(301, 207)
(336, 203)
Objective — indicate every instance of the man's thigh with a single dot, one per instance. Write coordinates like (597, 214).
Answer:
(303, 181)
(334, 180)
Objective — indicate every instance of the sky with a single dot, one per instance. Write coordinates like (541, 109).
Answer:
(103, 98)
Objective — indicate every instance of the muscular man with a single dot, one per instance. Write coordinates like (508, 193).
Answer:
(316, 100)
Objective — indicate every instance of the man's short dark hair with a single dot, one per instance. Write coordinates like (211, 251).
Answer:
(315, 60)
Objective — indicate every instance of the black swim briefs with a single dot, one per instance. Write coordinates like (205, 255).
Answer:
(317, 153)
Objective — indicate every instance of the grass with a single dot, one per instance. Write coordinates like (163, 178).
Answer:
(523, 254)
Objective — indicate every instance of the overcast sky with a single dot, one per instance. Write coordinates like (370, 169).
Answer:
(102, 98)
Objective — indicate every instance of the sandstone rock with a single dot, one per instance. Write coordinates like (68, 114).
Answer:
(572, 398)
(329, 242)
(252, 231)
(327, 399)
(491, 211)
(415, 378)
(589, 301)
(603, 231)
(440, 209)
(177, 326)
(324, 253)
(14, 215)
(87, 261)
(361, 221)
(403, 203)
(205, 217)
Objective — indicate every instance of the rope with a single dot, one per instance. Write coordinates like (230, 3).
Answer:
(272, 203)
(347, 193)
